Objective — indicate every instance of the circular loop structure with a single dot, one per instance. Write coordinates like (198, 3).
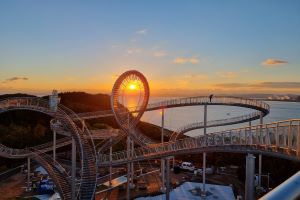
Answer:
(129, 99)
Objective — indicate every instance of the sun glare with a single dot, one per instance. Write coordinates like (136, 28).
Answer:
(132, 86)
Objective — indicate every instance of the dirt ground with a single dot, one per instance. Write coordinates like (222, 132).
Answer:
(12, 187)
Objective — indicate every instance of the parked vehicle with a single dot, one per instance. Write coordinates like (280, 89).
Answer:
(199, 171)
(187, 166)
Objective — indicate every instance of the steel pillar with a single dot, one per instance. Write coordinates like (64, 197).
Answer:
(205, 119)
(162, 161)
(131, 167)
(54, 146)
(167, 178)
(28, 173)
(261, 121)
(249, 182)
(298, 141)
(110, 162)
(128, 169)
(204, 153)
(259, 169)
(203, 174)
(73, 170)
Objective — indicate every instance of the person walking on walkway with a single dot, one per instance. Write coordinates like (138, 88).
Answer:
(210, 97)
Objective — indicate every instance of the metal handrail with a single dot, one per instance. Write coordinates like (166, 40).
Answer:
(263, 135)
(63, 114)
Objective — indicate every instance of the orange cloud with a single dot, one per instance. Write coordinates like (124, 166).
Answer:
(273, 63)
(13, 79)
(183, 60)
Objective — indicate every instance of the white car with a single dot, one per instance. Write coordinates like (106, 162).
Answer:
(199, 171)
(187, 166)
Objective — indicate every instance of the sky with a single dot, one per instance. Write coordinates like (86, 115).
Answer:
(182, 47)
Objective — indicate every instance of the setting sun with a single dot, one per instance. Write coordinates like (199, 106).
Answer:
(132, 86)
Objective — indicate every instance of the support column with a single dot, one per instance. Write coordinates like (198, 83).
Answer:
(261, 121)
(28, 174)
(132, 168)
(204, 153)
(110, 162)
(54, 146)
(167, 178)
(162, 161)
(298, 141)
(250, 170)
(128, 169)
(205, 119)
(203, 175)
(73, 170)
(259, 169)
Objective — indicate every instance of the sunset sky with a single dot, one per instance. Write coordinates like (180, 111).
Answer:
(192, 47)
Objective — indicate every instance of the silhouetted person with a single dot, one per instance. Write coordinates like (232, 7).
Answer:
(210, 97)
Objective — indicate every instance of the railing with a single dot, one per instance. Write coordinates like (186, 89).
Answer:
(278, 137)
(58, 174)
(217, 100)
(88, 153)
(214, 123)
(201, 100)
(186, 101)
(287, 190)
(22, 153)
(65, 115)
(8, 173)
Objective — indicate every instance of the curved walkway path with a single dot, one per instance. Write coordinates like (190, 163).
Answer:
(262, 109)
(85, 146)
(280, 139)
(191, 101)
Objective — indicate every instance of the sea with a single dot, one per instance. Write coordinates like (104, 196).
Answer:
(174, 118)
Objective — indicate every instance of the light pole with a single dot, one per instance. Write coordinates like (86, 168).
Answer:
(162, 170)
(28, 173)
(73, 171)
(204, 153)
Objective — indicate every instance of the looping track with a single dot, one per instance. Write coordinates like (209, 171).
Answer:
(85, 146)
